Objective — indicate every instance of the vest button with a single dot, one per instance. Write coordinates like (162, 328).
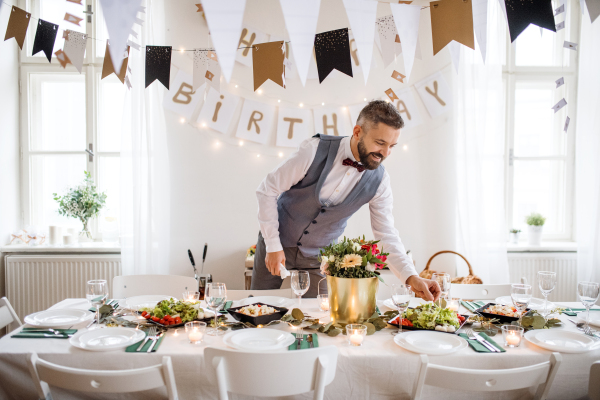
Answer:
(322, 210)
(306, 232)
(314, 221)
(299, 244)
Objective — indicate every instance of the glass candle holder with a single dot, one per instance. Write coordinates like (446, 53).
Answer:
(453, 304)
(191, 296)
(195, 331)
(323, 301)
(512, 335)
(356, 334)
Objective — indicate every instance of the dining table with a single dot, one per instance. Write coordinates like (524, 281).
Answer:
(379, 369)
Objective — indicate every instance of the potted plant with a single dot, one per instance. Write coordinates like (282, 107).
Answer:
(535, 225)
(82, 202)
(514, 235)
(351, 268)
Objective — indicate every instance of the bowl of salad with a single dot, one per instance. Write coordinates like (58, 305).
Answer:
(174, 313)
(430, 317)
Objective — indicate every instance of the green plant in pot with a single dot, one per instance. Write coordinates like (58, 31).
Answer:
(514, 235)
(535, 225)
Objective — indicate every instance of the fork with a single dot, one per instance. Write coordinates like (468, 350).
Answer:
(471, 336)
(299, 337)
(151, 335)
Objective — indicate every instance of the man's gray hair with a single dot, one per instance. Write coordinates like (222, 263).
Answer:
(379, 111)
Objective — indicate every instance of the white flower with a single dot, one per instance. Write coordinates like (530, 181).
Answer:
(356, 247)
(331, 258)
(370, 267)
(324, 266)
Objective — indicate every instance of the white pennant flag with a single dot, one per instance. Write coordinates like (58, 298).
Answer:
(200, 67)
(361, 14)
(224, 18)
(119, 15)
(480, 11)
(406, 17)
(454, 48)
(387, 39)
(301, 23)
(75, 48)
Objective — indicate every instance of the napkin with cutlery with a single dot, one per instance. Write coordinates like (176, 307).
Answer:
(227, 305)
(572, 312)
(305, 343)
(110, 302)
(44, 333)
(478, 347)
(133, 347)
(473, 305)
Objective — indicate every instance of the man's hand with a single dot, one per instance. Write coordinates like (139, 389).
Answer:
(424, 288)
(273, 260)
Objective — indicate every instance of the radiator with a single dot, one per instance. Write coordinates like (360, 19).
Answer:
(564, 264)
(36, 282)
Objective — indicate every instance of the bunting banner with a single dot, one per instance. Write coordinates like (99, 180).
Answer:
(75, 48)
(332, 51)
(17, 25)
(108, 66)
(408, 109)
(119, 15)
(73, 19)
(435, 94)
(213, 72)
(452, 20)
(158, 64)
(45, 36)
(331, 121)
(406, 18)
(389, 40)
(256, 121)
(62, 58)
(218, 110)
(521, 13)
(182, 99)
(248, 38)
(361, 15)
(200, 67)
(267, 60)
(593, 7)
(480, 11)
(292, 126)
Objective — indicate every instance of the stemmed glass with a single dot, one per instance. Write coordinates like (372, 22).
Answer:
(547, 283)
(588, 295)
(215, 296)
(300, 283)
(521, 296)
(400, 297)
(96, 292)
(443, 280)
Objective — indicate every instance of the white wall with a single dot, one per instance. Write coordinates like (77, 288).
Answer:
(213, 189)
(10, 208)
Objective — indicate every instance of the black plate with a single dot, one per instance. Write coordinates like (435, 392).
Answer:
(500, 318)
(412, 328)
(261, 320)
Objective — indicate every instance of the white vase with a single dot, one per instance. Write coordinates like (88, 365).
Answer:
(534, 235)
(514, 237)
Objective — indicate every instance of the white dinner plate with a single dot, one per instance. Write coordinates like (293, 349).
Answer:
(58, 318)
(148, 301)
(259, 340)
(431, 343)
(106, 339)
(562, 341)
(594, 317)
(534, 303)
(274, 301)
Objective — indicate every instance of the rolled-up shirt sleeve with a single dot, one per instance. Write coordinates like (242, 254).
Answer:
(281, 179)
(382, 223)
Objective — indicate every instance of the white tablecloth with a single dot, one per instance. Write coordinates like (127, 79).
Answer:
(378, 370)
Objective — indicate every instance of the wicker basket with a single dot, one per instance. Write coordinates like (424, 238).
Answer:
(470, 279)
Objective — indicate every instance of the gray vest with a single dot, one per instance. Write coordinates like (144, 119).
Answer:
(307, 224)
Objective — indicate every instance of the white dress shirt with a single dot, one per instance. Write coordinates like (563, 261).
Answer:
(339, 183)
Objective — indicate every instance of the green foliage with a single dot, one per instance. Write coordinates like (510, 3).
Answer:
(535, 219)
(515, 230)
(534, 320)
(82, 202)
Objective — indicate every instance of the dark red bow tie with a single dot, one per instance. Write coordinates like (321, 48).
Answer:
(354, 164)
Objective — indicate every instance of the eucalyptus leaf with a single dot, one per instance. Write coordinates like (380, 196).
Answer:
(370, 328)
(315, 326)
(297, 314)
(334, 332)
(327, 326)
(379, 324)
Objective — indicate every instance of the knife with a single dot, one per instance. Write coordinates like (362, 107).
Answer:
(486, 343)
(155, 341)
(204, 257)
(193, 263)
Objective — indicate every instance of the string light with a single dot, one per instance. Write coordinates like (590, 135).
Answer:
(344, 108)
(235, 85)
(258, 155)
(241, 142)
(217, 143)
(182, 120)
(365, 99)
(405, 147)
(259, 91)
(322, 104)
(204, 124)
(301, 104)
(279, 101)
(280, 154)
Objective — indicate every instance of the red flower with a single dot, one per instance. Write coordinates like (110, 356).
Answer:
(372, 247)
(382, 259)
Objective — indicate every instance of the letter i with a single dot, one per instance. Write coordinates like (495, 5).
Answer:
(217, 108)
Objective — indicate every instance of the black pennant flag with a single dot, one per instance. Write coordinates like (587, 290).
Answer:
(158, 64)
(332, 50)
(45, 36)
(521, 13)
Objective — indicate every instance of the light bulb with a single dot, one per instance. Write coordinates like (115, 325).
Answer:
(182, 120)
(258, 155)
(365, 99)
(181, 50)
(259, 91)
(241, 142)
(301, 104)
(280, 154)
(344, 108)
(217, 143)
(405, 147)
(279, 101)
(322, 104)
(204, 124)
(235, 85)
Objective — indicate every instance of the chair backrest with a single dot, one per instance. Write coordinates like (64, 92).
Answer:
(490, 380)
(289, 373)
(139, 285)
(594, 385)
(44, 373)
(480, 291)
(242, 294)
(7, 314)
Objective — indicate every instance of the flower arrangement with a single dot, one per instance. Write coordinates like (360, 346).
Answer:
(251, 251)
(82, 202)
(353, 258)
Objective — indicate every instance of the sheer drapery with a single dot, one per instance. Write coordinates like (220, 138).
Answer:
(145, 201)
(479, 144)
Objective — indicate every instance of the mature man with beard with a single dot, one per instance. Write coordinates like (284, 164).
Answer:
(304, 204)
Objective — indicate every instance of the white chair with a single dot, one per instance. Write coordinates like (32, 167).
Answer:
(44, 373)
(242, 294)
(594, 385)
(289, 373)
(488, 380)
(480, 291)
(139, 285)
(7, 314)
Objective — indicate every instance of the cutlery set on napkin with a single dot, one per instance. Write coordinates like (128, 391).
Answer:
(309, 341)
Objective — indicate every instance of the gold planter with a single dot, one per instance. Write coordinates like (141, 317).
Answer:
(352, 300)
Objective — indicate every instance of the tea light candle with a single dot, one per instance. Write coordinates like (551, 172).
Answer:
(191, 296)
(453, 304)
(356, 339)
(512, 335)
(356, 334)
(513, 339)
(195, 331)
(195, 336)
(323, 302)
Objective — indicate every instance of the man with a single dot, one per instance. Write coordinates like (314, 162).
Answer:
(304, 204)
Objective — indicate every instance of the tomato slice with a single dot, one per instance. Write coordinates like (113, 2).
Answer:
(155, 319)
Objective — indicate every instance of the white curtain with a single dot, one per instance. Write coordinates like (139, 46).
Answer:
(479, 146)
(587, 153)
(145, 202)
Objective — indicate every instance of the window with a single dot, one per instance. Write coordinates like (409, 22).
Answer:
(540, 155)
(65, 114)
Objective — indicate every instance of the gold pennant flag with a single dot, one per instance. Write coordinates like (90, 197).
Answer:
(17, 25)
(267, 63)
(108, 68)
(398, 76)
(451, 20)
(390, 93)
(62, 58)
(73, 19)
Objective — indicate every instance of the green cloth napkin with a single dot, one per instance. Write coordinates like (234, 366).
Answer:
(478, 347)
(473, 305)
(377, 309)
(227, 305)
(133, 347)
(34, 333)
(572, 312)
(304, 344)
(108, 302)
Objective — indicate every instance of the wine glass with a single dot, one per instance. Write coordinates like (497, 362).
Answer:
(547, 283)
(300, 283)
(521, 296)
(443, 280)
(215, 296)
(588, 295)
(401, 295)
(96, 292)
